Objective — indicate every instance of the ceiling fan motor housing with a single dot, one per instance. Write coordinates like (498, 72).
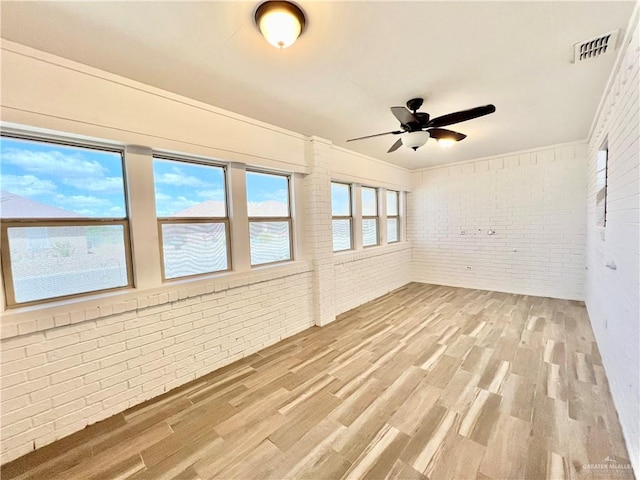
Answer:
(414, 104)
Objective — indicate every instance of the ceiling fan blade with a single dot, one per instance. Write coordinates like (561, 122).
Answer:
(395, 132)
(440, 133)
(461, 116)
(395, 146)
(403, 115)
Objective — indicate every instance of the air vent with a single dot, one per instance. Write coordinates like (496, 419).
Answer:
(595, 47)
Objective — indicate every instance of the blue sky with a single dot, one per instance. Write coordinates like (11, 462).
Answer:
(340, 200)
(181, 185)
(89, 182)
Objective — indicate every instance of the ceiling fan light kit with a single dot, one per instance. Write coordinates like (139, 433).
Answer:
(280, 22)
(415, 140)
(446, 142)
(418, 127)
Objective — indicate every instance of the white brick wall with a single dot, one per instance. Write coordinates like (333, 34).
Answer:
(535, 202)
(318, 230)
(57, 381)
(363, 276)
(613, 296)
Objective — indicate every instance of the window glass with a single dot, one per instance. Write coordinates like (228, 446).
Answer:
(64, 220)
(193, 248)
(48, 262)
(267, 195)
(601, 186)
(269, 217)
(192, 215)
(369, 202)
(269, 242)
(187, 190)
(392, 203)
(48, 180)
(340, 200)
(392, 230)
(369, 232)
(341, 234)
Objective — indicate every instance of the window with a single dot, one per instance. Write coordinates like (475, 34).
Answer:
(342, 219)
(602, 172)
(393, 216)
(369, 216)
(269, 212)
(192, 217)
(64, 228)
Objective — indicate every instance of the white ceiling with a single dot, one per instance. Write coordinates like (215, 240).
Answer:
(354, 61)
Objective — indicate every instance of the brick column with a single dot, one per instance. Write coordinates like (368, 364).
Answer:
(319, 241)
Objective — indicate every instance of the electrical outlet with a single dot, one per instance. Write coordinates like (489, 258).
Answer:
(463, 232)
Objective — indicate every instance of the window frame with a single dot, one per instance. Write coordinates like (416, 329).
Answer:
(5, 224)
(396, 216)
(287, 219)
(375, 217)
(343, 217)
(601, 206)
(185, 220)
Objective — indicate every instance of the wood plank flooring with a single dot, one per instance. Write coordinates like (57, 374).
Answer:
(427, 382)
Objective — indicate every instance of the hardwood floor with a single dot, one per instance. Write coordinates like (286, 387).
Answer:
(426, 382)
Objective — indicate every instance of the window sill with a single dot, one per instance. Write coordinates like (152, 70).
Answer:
(355, 255)
(36, 318)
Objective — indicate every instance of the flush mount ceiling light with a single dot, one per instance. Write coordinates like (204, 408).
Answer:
(415, 139)
(281, 23)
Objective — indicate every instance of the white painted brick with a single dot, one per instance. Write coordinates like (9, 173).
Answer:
(535, 207)
(613, 296)
(105, 310)
(104, 393)
(16, 428)
(119, 338)
(145, 378)
(119, 357)
(75, 349)
(22, 414)
(115, 400)
(140, 359)
(124, 376)
(72, 417)
(11, 380)
(62, 319)
(22, 365)
(98, 353)
(70, 373)
(50, 369)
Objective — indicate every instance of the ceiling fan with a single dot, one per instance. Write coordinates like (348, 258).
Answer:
(418, 127)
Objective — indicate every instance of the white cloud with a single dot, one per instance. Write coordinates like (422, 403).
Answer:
(26, 185)
(268, 208)
(162, 196)
(214, 194)
(82, 201)
(53, 163)
(280, 195)
(171, 205)
(103, 185)
(180, 180)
